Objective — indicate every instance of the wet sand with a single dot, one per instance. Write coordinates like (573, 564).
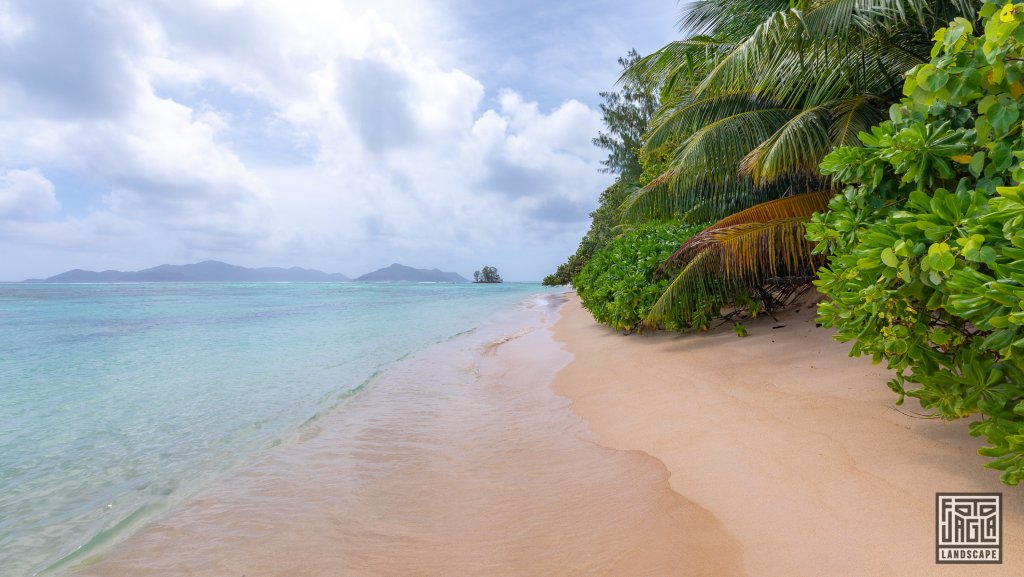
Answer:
(797, 449)
(458, 461)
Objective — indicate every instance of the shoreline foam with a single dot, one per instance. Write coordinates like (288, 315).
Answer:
(794, 446)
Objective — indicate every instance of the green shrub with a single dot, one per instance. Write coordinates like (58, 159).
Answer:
(927, 249)
(618, 286)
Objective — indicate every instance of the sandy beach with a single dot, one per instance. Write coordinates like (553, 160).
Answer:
(500, 454)
(793, 447)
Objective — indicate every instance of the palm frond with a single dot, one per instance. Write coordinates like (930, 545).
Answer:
(677, 60)
(700, 200)
(800, 206)
(719, 146)
(801, 144)
(704, 170)
(747, 56)
(684, 117)
(830, 17)
(726, 263)
(753, 252)
(728, 18)
(697, 287)
(852, 116)
(835, 49)
(796, 147)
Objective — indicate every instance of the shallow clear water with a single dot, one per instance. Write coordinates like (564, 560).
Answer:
(118, 401)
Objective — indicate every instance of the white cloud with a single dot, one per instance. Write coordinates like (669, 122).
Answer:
(26, 195)
(279, 132)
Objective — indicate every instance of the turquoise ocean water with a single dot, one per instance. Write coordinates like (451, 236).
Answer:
(118, 401)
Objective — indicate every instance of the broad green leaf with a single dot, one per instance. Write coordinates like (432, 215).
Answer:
(931, 79)
(1001, 156)
(1003, 114)
(889, 258)
(977, 163)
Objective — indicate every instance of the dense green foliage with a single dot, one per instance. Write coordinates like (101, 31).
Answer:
(618, 285)
(487, 275)
(926, 269)
(752, 99)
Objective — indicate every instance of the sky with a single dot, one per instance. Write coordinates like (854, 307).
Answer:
(341, 135)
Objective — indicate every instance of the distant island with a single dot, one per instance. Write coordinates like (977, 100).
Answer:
(402, 273)
(216, 271)
(206, 271)
(488, 275)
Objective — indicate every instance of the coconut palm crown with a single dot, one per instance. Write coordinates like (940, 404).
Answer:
(753, 98)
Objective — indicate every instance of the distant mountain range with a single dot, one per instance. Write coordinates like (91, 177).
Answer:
(402, 273)
(206, 271)
(216, 271)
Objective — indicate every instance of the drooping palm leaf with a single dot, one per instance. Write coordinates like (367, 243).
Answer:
(754, 252)
(739, 252)
(798, 146)
(802, 205)
(729, 262)
(678, 61)
(684, 117)
(729, 18)
(703, 182)
(726, 141)
(853, 116)
(799, 206)
(698, 200)
(695, 290)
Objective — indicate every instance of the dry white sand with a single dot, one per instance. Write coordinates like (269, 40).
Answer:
(795, 448)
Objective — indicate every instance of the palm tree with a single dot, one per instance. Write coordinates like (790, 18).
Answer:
(753, 98)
